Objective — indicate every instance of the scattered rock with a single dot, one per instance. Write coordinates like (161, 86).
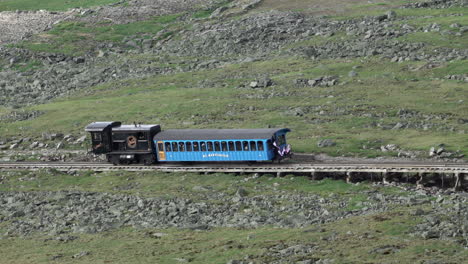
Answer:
(59, 256)
(352, 74)
(320, 81)
(241, 192)
(81, 139)
(218, 12)
(385, 250)
(389, 147)
(391, 14)
(326, 143)
(430, 234)
(81, 254)
(261, 83)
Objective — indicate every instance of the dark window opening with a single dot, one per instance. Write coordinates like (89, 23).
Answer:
(269, 144)
(189, 146)
(203, 146)
(168, 146)
(216, 146)
(174, 147)
(253, 147)
(181, 146)
(231, 146)
(224, 146)
(238, 145)
(96, 136)
(210, 146)
(245, 145)
(160, 147)
(282, 140)
(195, 146)
(260, 145)
(141, 136)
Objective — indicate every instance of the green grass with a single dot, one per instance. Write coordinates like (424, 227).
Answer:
(52, 5)
(436, 39)
(331, 7)
(173, 184)
(76, 38)
(359, 11)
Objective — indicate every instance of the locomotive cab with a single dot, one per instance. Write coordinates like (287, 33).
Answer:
(123, 143)
(101, 136)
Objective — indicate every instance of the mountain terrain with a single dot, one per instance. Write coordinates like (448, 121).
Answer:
(353, 80)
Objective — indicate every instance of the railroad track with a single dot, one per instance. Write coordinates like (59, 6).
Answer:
(450, 174)
(247, 168)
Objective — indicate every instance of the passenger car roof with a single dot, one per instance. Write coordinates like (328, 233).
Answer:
(218, 134)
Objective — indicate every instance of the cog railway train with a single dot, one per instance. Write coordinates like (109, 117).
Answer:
(147, 144)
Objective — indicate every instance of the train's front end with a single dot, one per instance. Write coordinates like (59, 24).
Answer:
(280, 147)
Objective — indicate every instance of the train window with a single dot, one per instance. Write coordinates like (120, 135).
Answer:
(245, 145)
(168, 146)
(195, 146)
(216, 146)
(181, 146)
(224, 146)
(260, 145)
(141, 136)
(96, 136)
(189, 146)
(253, 146)
(160, 147)
(231, 146)
(210, 146)
(238, 145)
(174, 147)
(269, 144)
(281, 140)
(203, 146)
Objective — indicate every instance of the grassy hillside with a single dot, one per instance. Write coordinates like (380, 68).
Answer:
(410, 103)
(360, 113)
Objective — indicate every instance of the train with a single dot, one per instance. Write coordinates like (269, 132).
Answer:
(148, 144)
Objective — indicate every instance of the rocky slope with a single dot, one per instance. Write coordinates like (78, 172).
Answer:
(252, 37)
(66, 215)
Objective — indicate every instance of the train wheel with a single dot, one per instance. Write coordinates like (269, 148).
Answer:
(114, 159)
(148, 160)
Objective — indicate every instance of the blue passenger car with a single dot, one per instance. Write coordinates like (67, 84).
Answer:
(221, 144)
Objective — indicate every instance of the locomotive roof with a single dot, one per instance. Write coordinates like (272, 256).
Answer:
(218, 134)
(117, 126)
(136, 128)
(100, 126)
